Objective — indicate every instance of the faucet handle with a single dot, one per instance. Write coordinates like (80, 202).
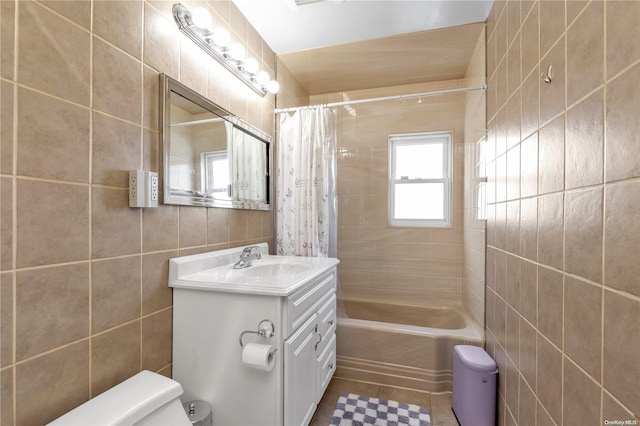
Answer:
(247, 252)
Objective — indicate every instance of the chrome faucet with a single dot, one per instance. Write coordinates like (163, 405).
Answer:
(247, 256)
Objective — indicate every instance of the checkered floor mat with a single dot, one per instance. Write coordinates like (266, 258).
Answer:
(357, 410)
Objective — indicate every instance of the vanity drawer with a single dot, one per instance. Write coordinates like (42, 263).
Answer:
(327, 365)
(305, 302)
(327, 321)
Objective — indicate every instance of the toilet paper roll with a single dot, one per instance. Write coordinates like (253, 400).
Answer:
(260, 357)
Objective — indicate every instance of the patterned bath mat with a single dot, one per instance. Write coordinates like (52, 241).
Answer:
(357, 410)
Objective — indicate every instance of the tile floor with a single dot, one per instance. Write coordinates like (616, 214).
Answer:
(439, 404)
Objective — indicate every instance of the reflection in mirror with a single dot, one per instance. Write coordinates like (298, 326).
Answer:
(211, 158)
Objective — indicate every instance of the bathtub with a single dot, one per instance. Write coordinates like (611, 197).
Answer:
(401, 345)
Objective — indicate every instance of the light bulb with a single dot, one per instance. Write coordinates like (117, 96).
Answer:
(262, 78)
(221, 37)
(273, 86)
(251, 65)
(237, 51)
(201, 17)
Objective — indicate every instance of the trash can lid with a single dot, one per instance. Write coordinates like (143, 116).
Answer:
(475, 358)
(199, 412)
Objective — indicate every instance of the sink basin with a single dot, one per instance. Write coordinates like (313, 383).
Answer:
(266, 270)
(275, 269)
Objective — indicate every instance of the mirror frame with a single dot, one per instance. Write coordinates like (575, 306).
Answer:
(168, 85)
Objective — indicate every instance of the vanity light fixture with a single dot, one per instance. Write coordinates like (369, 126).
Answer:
(218, 44)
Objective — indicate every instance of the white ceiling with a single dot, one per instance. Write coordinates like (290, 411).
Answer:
(288, 28)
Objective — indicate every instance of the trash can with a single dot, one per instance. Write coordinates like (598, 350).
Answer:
(475, 378)
(199, 413)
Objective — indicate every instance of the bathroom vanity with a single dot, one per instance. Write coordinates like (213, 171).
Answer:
(288, 303)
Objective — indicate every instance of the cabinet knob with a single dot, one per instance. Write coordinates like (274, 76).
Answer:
(330, 322)
(331, 366)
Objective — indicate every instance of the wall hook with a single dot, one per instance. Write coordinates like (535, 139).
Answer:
(548, 76)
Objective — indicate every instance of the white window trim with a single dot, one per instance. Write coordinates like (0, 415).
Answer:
(422, 138)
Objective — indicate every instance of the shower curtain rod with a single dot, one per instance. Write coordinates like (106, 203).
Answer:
(387, 98)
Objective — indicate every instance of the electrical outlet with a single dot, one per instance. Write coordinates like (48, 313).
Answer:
(154, 188)
(151, 181)
(143, 188)
(136, 188)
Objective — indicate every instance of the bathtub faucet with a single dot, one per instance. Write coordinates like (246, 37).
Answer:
(246, 257)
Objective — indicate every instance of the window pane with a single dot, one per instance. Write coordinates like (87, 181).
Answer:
(419, 201)
(216, 174)
(220, 174)
(422, 161)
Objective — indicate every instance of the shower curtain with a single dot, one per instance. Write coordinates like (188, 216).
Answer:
(306, 214)
(247, 166)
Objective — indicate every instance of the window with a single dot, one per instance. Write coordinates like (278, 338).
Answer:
(215, 174)
(420, 180)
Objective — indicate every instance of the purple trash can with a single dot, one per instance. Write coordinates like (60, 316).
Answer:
(475, 376)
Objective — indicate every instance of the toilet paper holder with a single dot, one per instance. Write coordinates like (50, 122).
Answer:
(266, 329)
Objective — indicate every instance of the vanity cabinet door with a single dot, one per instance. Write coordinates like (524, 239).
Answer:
(326, 366)
(300, 374)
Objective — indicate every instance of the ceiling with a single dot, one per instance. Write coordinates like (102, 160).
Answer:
(340, 45)
(434, 55)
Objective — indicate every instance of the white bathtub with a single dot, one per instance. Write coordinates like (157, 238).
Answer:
(401, 345)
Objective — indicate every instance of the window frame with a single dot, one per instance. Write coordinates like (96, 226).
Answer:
(443, 138)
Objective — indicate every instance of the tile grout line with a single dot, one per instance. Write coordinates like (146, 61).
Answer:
(142, 118)
(604, 210)
(14, 213)
(565, 95)
(91, 196)
(43, 4)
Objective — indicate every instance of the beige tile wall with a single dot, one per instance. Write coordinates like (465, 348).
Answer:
(475, 124)
(84, 296)
(412, 265)
(292, 93)
(563, 236)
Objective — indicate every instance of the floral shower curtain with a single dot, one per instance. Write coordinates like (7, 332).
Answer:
(248, 182)
(306, 188)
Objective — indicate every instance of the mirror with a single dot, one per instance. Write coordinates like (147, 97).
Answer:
(211, 157)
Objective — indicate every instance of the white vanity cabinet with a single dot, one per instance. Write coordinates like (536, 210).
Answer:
(310, 351)
(210, 316)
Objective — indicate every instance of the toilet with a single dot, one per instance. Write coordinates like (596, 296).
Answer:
(144, 399)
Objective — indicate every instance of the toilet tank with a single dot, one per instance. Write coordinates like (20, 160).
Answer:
(144, 399)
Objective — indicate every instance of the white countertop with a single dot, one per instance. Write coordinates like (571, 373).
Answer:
(213, 271)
